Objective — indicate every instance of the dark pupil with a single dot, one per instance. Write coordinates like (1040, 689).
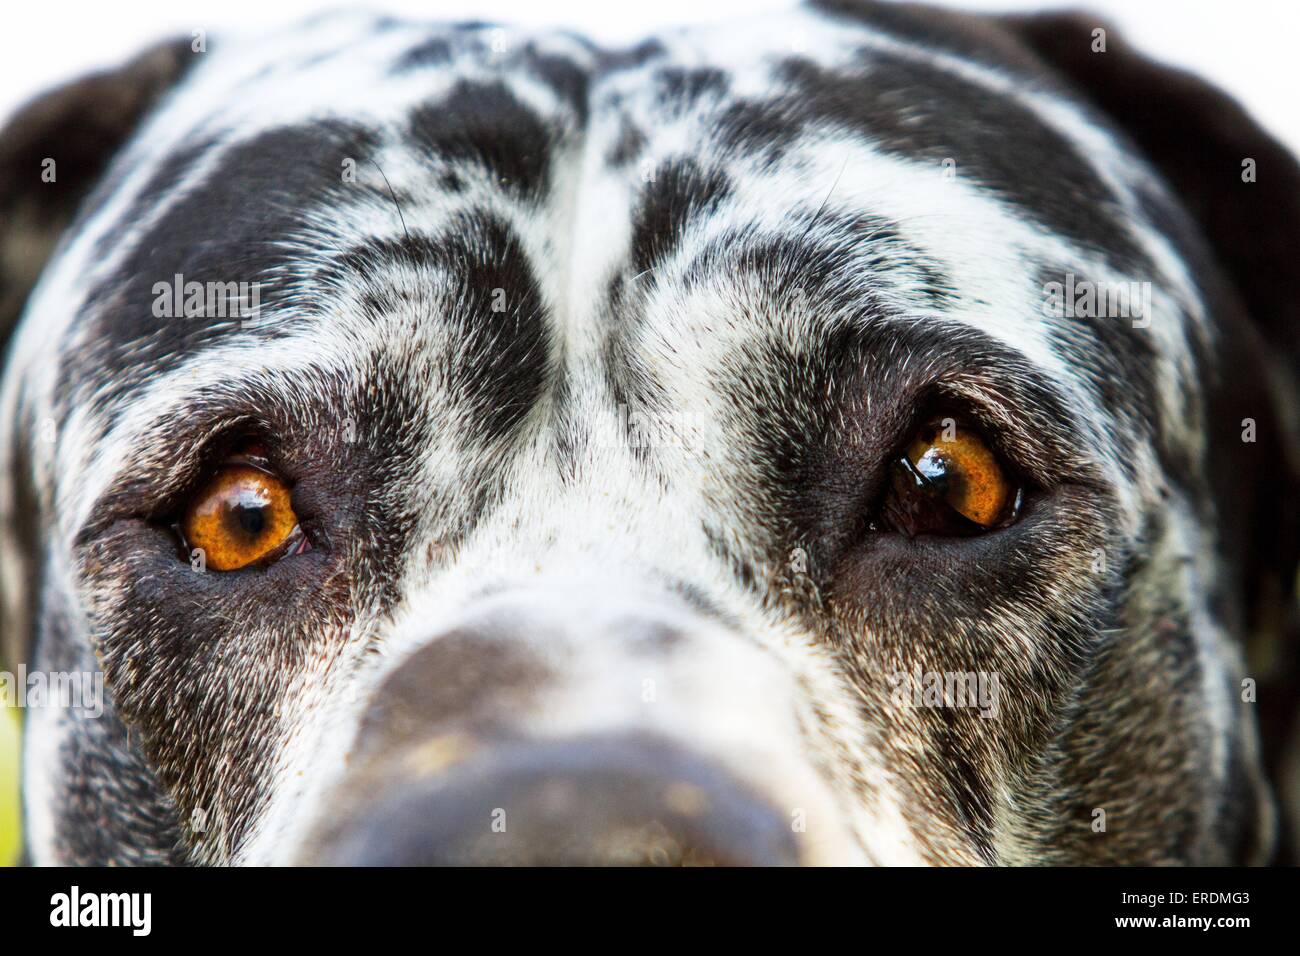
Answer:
(251, 520)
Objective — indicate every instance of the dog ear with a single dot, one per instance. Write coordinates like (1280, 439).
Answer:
(1240, 184)
(56, 148)
(52, 153)
(1242, 188)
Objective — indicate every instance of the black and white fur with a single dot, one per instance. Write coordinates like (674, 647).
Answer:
(785, 237)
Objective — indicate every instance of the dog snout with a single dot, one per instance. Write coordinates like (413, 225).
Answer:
(530, 732)
(627, 801)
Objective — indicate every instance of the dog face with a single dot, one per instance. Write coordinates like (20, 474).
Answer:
(702, 452)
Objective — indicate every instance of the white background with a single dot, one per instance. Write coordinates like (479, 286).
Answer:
(1246, 46)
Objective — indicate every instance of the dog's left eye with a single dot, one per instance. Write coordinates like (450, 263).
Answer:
(949, 482)
(242, 516)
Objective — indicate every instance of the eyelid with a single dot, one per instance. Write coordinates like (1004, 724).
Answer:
(167, 465)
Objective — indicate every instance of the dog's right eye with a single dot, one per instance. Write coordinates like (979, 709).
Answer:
(242, 516)
(949, 482)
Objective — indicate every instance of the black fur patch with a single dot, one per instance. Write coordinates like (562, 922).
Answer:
(227, 229)
(435, 51)
(923, 112)
(485, 123)
(682, 89)
(502, 361)
(646, 51)
(678, 193)
(567, 79)
(631, 140)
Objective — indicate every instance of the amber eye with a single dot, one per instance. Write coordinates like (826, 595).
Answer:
(949, 482)
(243, 515)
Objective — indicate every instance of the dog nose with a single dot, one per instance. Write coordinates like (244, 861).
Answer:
(603, 801)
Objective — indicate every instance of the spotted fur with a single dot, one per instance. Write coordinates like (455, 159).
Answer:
(787, 238)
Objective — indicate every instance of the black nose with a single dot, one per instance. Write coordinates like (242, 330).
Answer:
(605, 801)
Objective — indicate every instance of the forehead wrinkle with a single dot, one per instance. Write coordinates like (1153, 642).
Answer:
(1123, 172)
(754, 186)
(88, 463)
(307, 244)
(205, 107)
(1039, 94)
(987, 250)
(991, 248)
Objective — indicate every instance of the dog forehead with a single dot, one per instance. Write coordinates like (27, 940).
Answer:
(334, 167)
(421, 109)
(276, 159)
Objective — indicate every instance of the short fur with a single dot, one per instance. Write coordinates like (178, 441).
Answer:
(788, 239)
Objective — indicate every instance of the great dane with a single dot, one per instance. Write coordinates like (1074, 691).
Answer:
(859, 434)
